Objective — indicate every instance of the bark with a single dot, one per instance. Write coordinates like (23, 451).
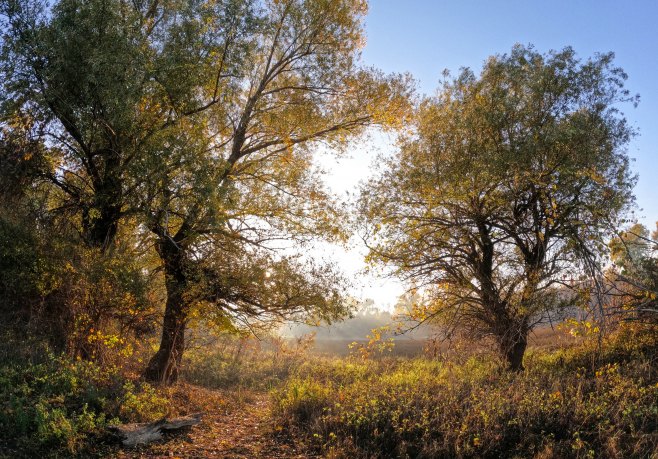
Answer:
(100, 231)
(512, 335)
(513, 349)
(164, 366)
(100, 227)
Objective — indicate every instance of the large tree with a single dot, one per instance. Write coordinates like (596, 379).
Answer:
(195, 121)
(106, 82)
(510, 184)
(249, 178)
(100, 86)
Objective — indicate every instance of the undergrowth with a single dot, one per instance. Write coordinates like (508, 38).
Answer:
(246, 363)
(583, 401)
(55, 406)
(590, 400)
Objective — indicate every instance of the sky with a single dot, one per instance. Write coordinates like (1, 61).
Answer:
(424, 37)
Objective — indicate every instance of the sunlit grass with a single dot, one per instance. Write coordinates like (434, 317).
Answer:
(578, 402)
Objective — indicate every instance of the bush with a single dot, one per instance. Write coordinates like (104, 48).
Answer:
(562, 406)
(52, 404)
(142, 403)
(304, 399)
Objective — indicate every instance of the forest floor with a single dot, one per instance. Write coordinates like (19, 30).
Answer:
(236, 424)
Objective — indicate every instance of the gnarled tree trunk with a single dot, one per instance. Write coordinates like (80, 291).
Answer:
(164, 365)
(512, 347)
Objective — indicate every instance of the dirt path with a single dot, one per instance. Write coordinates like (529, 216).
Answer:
(230, 429)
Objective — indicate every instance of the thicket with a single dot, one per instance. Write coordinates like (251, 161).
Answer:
(53, 405)
(585, 401)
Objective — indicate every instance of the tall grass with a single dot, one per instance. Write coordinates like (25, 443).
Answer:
(579, 402)
(245, 362)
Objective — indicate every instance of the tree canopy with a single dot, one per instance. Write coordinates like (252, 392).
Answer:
(510, 185)
(193, 125)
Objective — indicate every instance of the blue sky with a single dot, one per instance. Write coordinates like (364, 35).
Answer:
(424, 37)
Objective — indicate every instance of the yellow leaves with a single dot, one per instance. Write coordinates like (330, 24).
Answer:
(376, 345)
(608, 370)
(581, 327)
(597, 177)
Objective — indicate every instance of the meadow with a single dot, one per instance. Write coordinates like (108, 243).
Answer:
(585, 397)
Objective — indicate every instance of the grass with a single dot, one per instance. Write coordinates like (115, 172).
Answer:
(241, 363)
(578, 402)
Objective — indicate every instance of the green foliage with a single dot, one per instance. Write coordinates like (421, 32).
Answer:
(52, 404)
(562, 406)
(21, 264)
(82, 300)
(304, 399)
(142, 403)
(511, 181)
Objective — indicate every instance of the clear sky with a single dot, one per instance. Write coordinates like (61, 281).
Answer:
(424, 37)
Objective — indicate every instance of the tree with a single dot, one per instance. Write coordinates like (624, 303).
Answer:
(509, 186)
(633, 279)
(223, 194)
(105, 83)
(90, 91)
(218, 105)
(630, 249)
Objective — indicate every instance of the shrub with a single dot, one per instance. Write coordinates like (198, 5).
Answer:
(303, 399)
(52, 404)
(574, 403)
(141, 403)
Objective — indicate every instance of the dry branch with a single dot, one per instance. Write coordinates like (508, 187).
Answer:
(143, 433)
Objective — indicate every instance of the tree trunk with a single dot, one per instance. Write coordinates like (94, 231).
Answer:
(100, 220)
(165, 364)
(132, 435)
(513, 349)
(100, 230)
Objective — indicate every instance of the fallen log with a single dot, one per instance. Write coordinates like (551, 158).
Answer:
(142, 433)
